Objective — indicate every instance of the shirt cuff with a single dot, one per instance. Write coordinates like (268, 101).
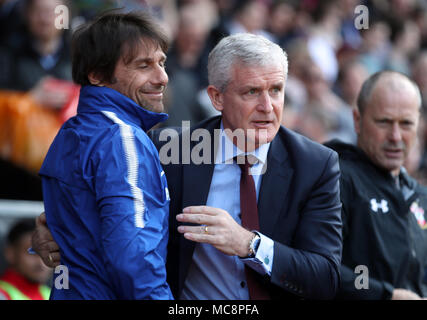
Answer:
(263, 260)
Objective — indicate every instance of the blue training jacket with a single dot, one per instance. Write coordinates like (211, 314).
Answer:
(106, 201)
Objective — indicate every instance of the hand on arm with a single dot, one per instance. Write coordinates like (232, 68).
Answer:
(43, 243)
(223, 232)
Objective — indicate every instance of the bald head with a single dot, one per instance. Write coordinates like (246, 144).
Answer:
(387, 81)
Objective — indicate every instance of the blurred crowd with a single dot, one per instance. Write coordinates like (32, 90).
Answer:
(329, 54)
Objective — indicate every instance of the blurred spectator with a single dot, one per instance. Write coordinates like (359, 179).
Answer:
(280, 23)
(43, 56)
(420, 18)
(90, 8)
(325, 38)
(248, 16)
(320, 96)
(315, 124)
(36, 84)
(26, 276)
(184, 65)
(243, 16)
(419, 73)
(299, 56)
(405, 39)
(375, 46)
(164, 10)
(350, 35)
(350, 79)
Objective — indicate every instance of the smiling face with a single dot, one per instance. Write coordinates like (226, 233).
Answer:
(253, 99)
(387, 129)
(143, 79)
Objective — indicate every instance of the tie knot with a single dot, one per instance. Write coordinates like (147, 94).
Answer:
(245, 162)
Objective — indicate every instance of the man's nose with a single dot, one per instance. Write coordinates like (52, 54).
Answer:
(395, 133)
(160, 76)
(264, 103)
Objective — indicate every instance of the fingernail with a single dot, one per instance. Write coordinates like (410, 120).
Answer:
(186, 209)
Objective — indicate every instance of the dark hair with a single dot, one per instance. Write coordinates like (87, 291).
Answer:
(19, 229)
(97, 46)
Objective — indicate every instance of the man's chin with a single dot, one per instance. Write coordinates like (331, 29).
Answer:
(391, 166)
(158, 108)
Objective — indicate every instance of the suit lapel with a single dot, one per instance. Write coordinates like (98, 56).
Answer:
(196, 181)
(196, 184)
(197, 177)
(274, 186)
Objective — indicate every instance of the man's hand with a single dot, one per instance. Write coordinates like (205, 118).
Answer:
(403, 294)
(217, 228)
(47, 97)
(43, 243)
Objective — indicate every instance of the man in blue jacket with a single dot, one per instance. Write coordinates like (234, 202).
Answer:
(105, 193)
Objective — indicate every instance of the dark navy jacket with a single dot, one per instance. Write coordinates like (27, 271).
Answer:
(299, 209)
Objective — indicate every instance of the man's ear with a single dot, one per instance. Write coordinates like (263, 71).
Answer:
(94, 80)
(356, 120)
(216, 97)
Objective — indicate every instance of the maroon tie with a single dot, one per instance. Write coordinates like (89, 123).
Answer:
(249, 213)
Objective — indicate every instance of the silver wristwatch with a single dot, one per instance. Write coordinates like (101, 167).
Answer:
(253, 245)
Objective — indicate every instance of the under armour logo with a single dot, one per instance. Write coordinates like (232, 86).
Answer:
(383, 205)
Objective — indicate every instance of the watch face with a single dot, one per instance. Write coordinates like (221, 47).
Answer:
(254, 244)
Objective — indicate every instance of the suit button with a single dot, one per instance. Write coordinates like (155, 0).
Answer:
(243, 284)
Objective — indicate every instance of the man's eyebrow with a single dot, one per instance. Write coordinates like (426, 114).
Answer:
(278, 84)
(254, 86)
(142, 60)
(148, 60)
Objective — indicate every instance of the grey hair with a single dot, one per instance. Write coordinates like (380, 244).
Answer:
(245, 48)
(368, 86)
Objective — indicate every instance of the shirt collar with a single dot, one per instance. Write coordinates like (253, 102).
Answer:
(95, 99)
(227, 151)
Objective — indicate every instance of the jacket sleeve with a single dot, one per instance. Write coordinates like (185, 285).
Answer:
(310, 268)
(134, 238)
